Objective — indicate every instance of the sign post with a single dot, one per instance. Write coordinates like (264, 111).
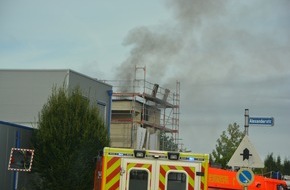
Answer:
(245, 156)
(246, 121)
(257, 121)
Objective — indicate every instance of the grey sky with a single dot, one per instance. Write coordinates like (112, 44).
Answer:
(228, 55)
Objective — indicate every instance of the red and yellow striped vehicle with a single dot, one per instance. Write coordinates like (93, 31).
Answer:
(129, 169)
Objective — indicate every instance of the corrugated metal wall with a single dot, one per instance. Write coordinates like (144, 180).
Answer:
(9, 135)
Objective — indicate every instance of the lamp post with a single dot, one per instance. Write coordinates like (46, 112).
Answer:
(246, 121)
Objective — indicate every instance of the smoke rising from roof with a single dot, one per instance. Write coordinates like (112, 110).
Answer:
(224, 53)
(162, 46)
(206, 36)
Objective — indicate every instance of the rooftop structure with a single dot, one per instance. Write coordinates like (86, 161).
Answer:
(141, 110)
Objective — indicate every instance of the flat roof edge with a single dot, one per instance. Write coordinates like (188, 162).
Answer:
(15, 125)
(59, 70)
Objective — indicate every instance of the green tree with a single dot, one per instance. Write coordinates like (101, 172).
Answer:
(226, 145)
(167, 142)
(70, 134)
(273, 164)
(270, 164)
(286, 167)
(279, 163)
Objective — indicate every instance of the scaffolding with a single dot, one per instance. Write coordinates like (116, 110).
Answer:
(138, 102)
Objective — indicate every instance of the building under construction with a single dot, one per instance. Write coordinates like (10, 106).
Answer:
(141, 111)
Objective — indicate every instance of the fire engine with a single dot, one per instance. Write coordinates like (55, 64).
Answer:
(221, 179)
(129, 169)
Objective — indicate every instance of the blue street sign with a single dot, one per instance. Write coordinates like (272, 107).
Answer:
(245, 176)
(269, 121)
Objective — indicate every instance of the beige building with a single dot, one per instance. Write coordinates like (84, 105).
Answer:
(130, 127)
(140, 111)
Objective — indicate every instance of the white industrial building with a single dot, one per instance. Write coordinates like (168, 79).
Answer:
(22, 96)
(24, 92)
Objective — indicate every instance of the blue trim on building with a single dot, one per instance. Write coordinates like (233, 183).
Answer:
(15, 173)
(110, 93)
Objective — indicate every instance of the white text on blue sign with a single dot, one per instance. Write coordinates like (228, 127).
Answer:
(261, 121)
